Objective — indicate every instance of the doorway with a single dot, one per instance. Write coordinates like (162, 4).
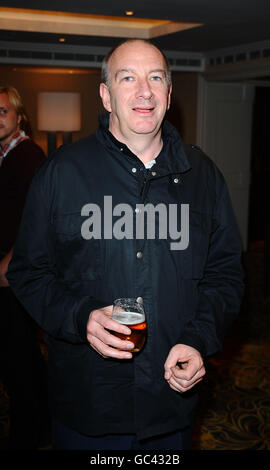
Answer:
(259, 213)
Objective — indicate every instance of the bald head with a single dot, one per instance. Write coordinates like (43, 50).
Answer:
(105, 68)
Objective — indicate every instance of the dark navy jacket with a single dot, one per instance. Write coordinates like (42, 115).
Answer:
(190, 296)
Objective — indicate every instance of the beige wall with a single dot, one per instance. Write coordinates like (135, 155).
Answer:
(29, 81)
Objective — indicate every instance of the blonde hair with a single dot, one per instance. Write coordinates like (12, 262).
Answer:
(16, 101)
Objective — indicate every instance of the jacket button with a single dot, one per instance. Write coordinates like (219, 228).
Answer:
(154, 173)
(176, 180)
(134, 170)
(140, 300)
(139, 255)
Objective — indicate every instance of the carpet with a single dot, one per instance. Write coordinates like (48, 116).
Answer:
(234, 406)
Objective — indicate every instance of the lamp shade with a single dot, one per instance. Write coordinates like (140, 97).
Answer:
(59, 111)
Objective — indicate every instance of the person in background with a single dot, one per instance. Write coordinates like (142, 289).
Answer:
(23, 368)
(68, 276)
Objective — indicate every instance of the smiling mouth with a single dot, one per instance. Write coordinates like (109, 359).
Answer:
(143, 110)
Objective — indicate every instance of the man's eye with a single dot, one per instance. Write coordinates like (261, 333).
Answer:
(3, 111)
(156, 78)
(128, 79)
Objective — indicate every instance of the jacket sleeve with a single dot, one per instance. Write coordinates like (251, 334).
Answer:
(221, 288)
(33, 277)
(24, 161)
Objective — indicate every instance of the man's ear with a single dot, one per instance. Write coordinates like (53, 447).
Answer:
(169, 97)
(105, 96)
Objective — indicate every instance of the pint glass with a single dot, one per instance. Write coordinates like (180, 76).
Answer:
(131, 313)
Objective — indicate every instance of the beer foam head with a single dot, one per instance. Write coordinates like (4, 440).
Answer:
(128, 318)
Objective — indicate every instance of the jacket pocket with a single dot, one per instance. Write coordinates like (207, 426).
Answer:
(77, 258)
(191, 262)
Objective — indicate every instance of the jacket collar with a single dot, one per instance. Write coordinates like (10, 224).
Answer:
(172, 158)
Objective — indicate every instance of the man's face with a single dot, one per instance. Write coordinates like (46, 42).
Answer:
(9, 120)
(138, 95)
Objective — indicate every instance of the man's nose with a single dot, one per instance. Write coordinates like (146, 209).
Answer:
(144, 89)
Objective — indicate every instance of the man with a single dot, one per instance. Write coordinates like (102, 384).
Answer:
(21, 361)
(68, 276)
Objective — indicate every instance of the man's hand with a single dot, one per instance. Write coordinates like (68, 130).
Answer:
(104, 342)
(192, 371)
(4, 267)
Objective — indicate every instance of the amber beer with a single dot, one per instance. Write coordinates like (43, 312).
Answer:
(137, 324)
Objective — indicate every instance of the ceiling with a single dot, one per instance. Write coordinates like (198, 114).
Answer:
(226, 23)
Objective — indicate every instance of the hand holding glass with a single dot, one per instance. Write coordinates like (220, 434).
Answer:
(131, 313)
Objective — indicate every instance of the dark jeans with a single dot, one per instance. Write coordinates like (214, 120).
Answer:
(24, 373)
(64, 438)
